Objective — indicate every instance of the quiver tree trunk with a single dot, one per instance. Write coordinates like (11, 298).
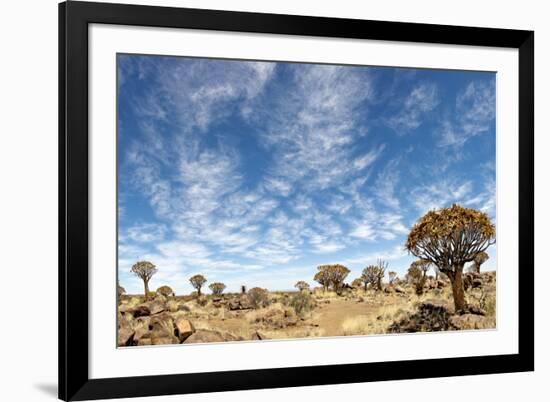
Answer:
(458, 288)
(146, 285)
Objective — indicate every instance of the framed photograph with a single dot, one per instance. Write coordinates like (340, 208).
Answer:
(258, 201)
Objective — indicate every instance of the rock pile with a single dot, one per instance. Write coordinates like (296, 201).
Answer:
(152, 323)
(430, 316)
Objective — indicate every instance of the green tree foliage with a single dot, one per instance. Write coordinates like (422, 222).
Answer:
(145, 271)
(197, 281)
(217, 288)
(449, 238)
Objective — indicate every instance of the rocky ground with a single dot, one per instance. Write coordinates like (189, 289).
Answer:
(396, 309)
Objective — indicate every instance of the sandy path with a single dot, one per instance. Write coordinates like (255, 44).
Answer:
(330, 317)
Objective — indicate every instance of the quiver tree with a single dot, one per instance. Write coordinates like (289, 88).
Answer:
(449, 238)
(197, 281)
(145, 271)
(478, 260)
(374, 274)
(332, 275)
(217, 288)
(323, 278)
(417, 278)
(302, 285)
(165, 291)
(423, 265)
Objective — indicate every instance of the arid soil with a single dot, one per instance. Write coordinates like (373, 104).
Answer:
(230, 317)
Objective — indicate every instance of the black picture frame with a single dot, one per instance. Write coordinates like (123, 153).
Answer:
(74, 18)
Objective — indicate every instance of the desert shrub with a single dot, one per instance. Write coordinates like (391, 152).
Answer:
(172, 306)
(217, 288)
(302, 303)
(258, 297)
(166, 291)
(151, 295)
(202, 301)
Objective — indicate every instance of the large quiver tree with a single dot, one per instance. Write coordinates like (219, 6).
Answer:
(449, 238)
(145, 271)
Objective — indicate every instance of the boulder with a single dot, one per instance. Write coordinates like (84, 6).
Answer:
(476, 310)
(141, 311)
(468, 321)
(245, 303)
(234, 305)
(477, 283)
(145, 342)
(257, 336)
(440, 284)
(399, 289)
(205, 336)
(431, 315)
(162, 326)
(156, 306)
(125, 336)
(141, 327)
(164, 340)
(183, 307)
(184, 328)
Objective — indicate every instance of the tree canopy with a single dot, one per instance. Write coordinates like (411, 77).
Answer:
(144, 270)
(217, 288)
(331, 274)
(451, 237)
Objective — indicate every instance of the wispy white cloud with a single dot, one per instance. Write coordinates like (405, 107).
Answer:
(146, 232)
(475, 114)
(420, 101)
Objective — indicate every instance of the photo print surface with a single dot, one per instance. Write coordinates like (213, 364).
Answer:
(276, 200)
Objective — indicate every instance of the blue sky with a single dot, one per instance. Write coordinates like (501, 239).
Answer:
(255, 173)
